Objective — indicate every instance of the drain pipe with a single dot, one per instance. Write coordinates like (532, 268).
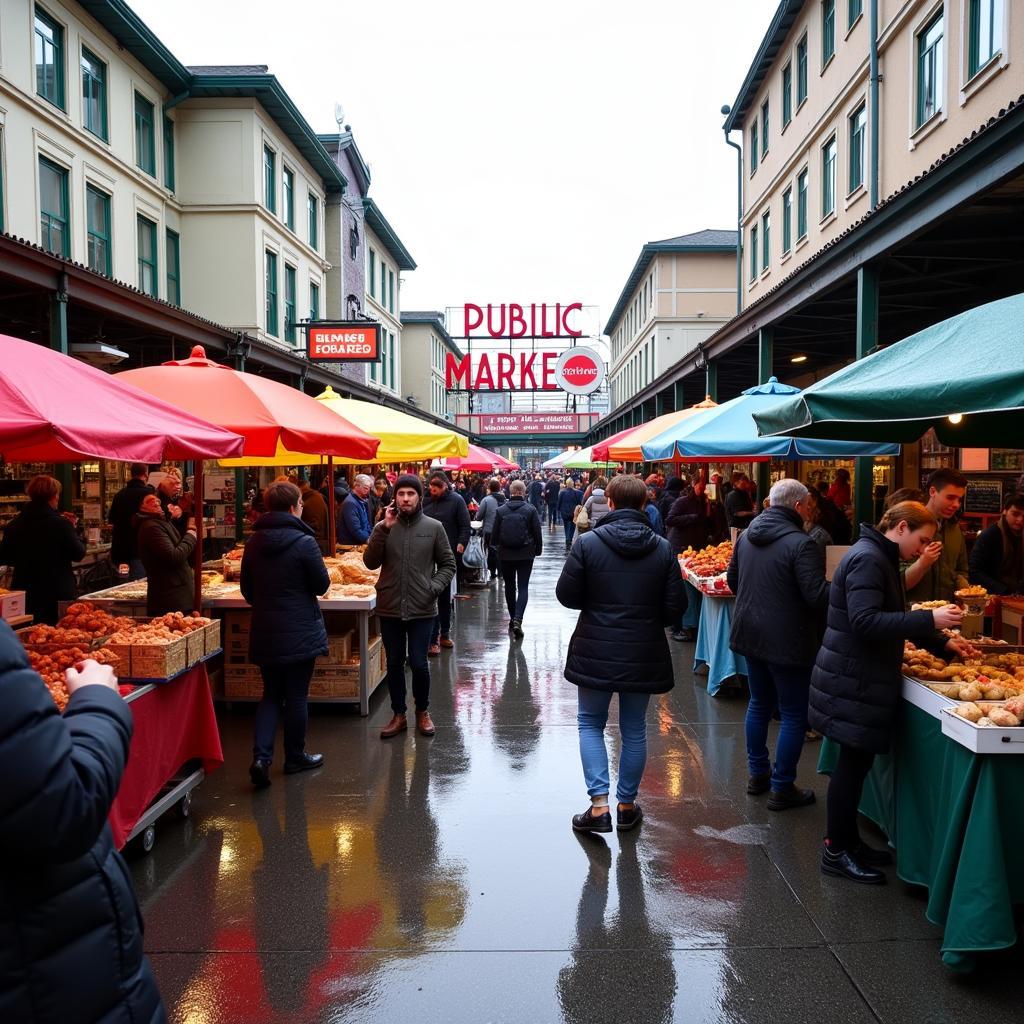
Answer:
(873, 79)
(726, 110)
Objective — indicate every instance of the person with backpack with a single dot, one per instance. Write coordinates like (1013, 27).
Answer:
(597, 504)
(487, 512)
(519, 540)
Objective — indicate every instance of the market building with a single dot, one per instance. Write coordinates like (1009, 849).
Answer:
(425, 342)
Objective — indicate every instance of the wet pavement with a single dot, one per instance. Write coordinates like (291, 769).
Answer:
(438, 879)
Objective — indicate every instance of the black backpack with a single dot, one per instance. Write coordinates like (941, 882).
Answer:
(515, 530)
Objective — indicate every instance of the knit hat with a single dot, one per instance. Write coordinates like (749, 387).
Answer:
(408, 480)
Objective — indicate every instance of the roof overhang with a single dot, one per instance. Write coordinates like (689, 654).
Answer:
(386, 233)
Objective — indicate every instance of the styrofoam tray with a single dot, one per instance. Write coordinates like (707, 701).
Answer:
(918, 694)
(981, 739)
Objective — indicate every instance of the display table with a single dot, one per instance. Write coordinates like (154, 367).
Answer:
(955, 820)
(174, 724)
(713, 647)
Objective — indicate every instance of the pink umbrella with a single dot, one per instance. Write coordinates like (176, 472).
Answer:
(478, 460)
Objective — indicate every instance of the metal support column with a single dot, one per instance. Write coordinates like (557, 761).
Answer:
(680, 396)
(711, 380)
(59, 343)
(661, 403)
(765, 363)
(867, 341)
(239, 353)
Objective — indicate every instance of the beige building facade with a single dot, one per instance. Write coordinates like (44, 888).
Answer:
(425, 346)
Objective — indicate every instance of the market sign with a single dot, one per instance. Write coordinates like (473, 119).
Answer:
(529, 423)
(343, 341)
(512, 320)
(578, 370)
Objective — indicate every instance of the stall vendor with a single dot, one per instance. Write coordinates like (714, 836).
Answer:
(942, 568)
(997, 559)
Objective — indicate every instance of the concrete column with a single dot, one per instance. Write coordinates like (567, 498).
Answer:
(867, 340)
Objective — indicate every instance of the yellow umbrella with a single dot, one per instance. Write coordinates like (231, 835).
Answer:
(627, 449)
(403, 438)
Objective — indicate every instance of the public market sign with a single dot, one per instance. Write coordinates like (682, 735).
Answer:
(512, 320)
(579, 371)
(343, 341)
(529, 423)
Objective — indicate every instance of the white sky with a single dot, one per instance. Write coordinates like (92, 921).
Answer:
(523, 152)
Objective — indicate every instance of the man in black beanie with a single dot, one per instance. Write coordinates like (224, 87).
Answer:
(416, 568)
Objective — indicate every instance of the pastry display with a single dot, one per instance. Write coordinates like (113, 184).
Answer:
(710, 561)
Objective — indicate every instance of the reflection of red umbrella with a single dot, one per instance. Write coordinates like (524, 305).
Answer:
(57, 409)
(478, 460)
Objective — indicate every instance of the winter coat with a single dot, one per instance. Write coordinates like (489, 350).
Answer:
(551, 489)
(997, 560)
(166, 557)
(597, 506)
(536, 492)
(451, 512)
(738, 501)
(857, 677)
(40, 545)
(315, 515)
(283, 574)
(353, 521)
(669, 496)
(416, 565)
(654, 518)
(123, 509)
(626, 582)
(70, 928)
(689, 523)
(525, 552)
(778, 576)
(949, 573)
(489, 509)
(568, 499)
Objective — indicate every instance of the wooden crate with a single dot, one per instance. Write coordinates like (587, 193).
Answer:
(158, 661)
(195, 646)
(212, 637)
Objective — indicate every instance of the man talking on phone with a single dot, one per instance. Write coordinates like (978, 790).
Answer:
(942, 568)
(416, 569)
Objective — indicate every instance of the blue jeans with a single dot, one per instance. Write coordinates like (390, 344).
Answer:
(592, 718)
(786, 688)
(285, 687)
(570, 529)
(691, 617)
(517, 586)
(404, 638)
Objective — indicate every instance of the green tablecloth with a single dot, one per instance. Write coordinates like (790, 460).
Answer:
(956, 820)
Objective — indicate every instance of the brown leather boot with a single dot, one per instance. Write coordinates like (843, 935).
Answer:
(398, 723)
(424, 724)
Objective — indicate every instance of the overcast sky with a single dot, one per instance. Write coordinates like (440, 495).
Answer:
(523, 152)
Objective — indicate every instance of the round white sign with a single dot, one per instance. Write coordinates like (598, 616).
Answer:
(579, 371)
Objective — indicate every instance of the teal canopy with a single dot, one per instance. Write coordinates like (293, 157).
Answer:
(728, 432)
(964, 377)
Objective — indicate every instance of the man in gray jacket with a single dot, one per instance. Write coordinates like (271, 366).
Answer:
(416, 567)
(486, 514)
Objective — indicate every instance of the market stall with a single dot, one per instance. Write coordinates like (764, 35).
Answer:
(477, 460)
(626, 446)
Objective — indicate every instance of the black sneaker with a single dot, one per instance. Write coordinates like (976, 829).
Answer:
(587, 822)
(843, 865)
(677, 635)
(784, 799)
(304, 763)
(758, 784)
(629, 818)
(517, 629)
(259, 773)
(871, 857)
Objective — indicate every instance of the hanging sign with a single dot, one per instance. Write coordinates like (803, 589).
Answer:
(356, 341)
(579, 371)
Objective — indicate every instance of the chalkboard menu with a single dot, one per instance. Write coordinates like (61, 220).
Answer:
(984, 496)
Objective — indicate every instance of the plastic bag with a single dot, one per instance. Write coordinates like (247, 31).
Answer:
(474, 556)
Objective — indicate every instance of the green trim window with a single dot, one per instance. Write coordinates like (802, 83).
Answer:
(372, 275)
(753, 146)
(289, 304)
(858, 137)
(288, 197)
(929, 70)
(53, 208)
(270, 284)
(314, 301)
(787, 220)
(146, 241)
(828, 177)
(173, 247)
(766, 245)
(97, 225)
(94, 94)
(984, 33)
(801, 204)
(168, 153)
(145, 142)
(391, 291)
(828, 30)
(270, 179)
(801, 70)
(787, 94)
(753, 253)
(49, 56)
(854, 9)
(764, 129)
(313, 209)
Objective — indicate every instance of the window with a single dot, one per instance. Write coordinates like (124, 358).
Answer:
(766, 247)
(49, 46)
(97, 222)
(353, 242)
(858, 132)
(854, 9)
(787, 94)
(94, 94)
(314, 221)
(764, 128)
(383, 284)
(391, 291)
(145, 144)
(929, 70)
(314, 301)
(828, 30)
(828, 177)
(753, 252)
(801, 70)
(801, 205)
(270, 270)
(53, 208)
(372, 275)
(985, 21)
(173, 254)
(289, 304)
(288, 198)
(753, 146)
(787, 220)
(270, 179)
(168, 153)
(146, 242)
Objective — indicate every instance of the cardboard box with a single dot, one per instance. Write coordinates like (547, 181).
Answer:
(12, 604)
(237, 624)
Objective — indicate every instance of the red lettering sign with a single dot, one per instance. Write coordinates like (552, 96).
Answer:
(343, 342)
(577, 370)
(510, 320)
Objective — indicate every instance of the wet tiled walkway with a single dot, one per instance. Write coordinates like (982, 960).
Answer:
(438, 880)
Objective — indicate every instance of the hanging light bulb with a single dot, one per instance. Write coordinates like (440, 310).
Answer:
(956, 418)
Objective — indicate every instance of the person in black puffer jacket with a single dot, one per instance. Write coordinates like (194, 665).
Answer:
(855, 684)
(626, 582)
(70, 929)
(778, 576)
(283, 574)
(519, 540)
(445, 505)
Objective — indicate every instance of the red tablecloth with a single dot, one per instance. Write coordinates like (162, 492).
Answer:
(174, 723)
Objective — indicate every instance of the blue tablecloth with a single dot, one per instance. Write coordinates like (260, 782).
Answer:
(691, 617)
(713, 643)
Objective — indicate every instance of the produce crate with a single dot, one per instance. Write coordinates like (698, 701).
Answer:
(195, 646)
(158, 661)
(981, 740)
(49, 648)
(212, 637)
(242, 683)
(341, 681)
(12, 604)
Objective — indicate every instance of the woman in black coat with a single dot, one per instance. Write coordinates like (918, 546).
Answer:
(283, 574)
(40, 544)
(627, 583)
(70, 930)
(855, 685)
(166, 556)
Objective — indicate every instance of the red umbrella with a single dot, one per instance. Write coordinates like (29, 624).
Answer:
(57, 409)
(478, 460)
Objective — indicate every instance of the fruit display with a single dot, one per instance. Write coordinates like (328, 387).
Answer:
(52, 667)
(990, 676)
(710, 561)
(162, 630)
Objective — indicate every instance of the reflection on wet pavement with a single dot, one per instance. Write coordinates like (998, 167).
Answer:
(438, 879)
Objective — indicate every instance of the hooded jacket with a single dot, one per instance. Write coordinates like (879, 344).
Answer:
(689, 522)
(499, 538)
(283, 574)
(353, 520)
(166, 555)
(626, 583)
(778, 576)
(597, 506)
(451, 512)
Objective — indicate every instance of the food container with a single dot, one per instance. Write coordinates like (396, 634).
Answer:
(917, 693)
(981, 739)
(972, 602)
(211, 638)
(195, 646)
(158, 661)
(12, 604)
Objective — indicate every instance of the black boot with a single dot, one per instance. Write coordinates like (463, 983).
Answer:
(844, 865)
(303, 763)
(758, 784)
(587, 822)
(259, 773)
(784, 799)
